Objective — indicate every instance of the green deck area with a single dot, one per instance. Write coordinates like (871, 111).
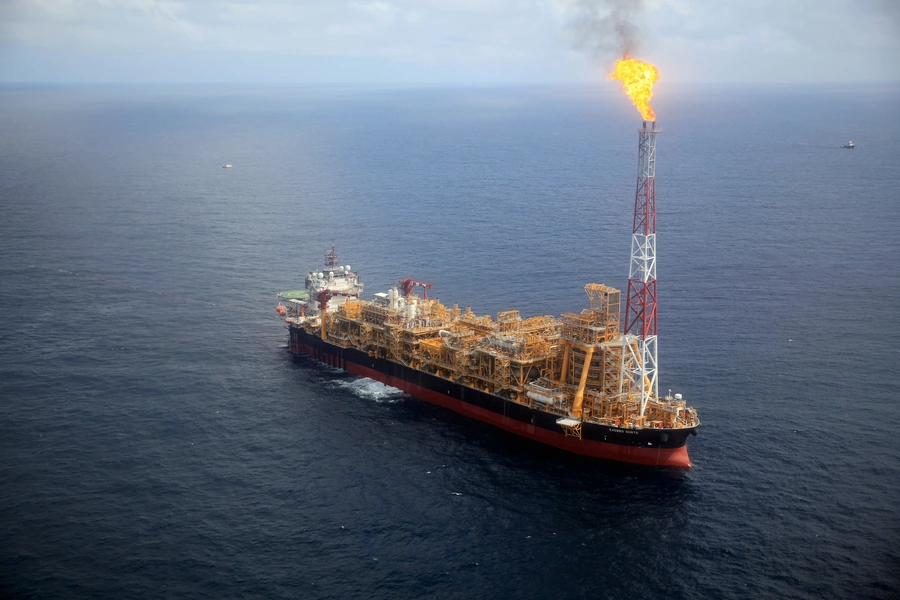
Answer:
(294, 295)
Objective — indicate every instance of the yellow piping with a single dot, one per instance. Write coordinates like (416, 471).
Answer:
(565, 365)
(579, 395)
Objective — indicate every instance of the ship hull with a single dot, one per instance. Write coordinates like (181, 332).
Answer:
(656, 447)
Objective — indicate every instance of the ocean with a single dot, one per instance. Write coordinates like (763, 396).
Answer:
(159, 441)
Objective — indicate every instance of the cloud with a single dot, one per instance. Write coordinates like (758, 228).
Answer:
(766, 40)
(374, 7)
(530, 38)
(99, 23)
(775, 25)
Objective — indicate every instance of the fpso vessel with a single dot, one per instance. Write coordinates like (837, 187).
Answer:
(577, 382)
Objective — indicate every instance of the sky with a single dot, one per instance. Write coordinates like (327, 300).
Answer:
(447, 41)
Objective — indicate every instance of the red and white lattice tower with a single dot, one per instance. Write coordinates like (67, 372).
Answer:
(639, 366)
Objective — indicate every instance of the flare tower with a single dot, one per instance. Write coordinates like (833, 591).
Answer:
(639, 357)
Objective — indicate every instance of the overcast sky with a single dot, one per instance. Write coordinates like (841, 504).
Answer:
(445, 41)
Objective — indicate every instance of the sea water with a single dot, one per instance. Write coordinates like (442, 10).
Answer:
(158, 440)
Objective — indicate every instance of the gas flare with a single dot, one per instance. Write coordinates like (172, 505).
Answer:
(637, 79)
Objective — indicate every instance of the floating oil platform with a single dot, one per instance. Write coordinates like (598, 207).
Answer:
(584, 382)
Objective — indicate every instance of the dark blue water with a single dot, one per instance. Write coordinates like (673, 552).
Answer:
(159, 442)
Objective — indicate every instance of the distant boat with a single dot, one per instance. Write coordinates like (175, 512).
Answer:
(229, 166)
(848, 145)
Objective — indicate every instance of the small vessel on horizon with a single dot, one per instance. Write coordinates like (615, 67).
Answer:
(849, 145)
(226, 167)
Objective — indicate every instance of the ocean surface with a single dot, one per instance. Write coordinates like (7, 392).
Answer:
(157, 440)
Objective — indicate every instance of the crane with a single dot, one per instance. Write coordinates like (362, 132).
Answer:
(409, 284)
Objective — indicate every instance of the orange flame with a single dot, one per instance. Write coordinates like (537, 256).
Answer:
(637, 79)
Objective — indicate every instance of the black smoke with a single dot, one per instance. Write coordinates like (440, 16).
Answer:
(605, 28)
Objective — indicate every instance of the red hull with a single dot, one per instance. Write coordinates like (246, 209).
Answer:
(660, 457)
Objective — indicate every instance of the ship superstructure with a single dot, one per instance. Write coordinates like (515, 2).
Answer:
(333, 284)
(580, 382)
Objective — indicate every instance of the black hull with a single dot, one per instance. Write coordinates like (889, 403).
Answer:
(662, 447)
